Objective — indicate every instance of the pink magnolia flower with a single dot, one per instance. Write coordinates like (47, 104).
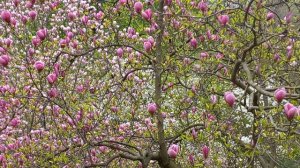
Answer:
(99, 15)
(85, 20)
(2, 50)
(53, 92)
(8, 42)
(103, 149)
(229, 98)
(203, 6)
(4, 60)
(56, 110)
(151, 40)
(120, 52)
(63, 43)
(42, 33)
(54, 5)
(280, 94)
(71, 16)
(56, 68)
(70, 35)
(147, 46)
(24, 19)
(290, 111)
(204, 55)
(52, 78)
(15, 122)
(270, 15)
(194, 133)
(193, 43)
(219, 55)
(213, 99)
(173, 151)
(152, 108)
(223, 19)
(114, 109)
(122, 2)
(191, 159)
(32, 15)
(147, 14)
(29, 4)
(39, 65)
(74, 44)
(288, 17)
(36, 41)
(205, 151)
(6, 16)
(79, 88)
(138, 6)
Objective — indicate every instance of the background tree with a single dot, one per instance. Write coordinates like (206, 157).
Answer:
(155, 83)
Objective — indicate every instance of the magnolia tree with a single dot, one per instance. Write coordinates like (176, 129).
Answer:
(156, 83)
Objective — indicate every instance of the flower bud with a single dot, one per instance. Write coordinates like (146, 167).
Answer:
(138, 6)
(4, 60)
(120, 52)
(147, 14)
(147, 46)
(32, 15)
(229, 98)
(51, 78)
(280, 94)
(39, 65)
(6, 16)
(205, 151)
(42, 33)
(290, 110)
(173, 151)
(270, 15)
(223, 19)
(152, 108)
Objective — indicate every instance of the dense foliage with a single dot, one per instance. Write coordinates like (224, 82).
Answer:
(155, 83)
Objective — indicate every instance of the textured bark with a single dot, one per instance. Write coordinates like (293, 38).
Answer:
(164, 160)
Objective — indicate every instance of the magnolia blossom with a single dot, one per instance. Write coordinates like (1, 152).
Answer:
(223, 19)
(147, 14)
(193, 43)
(191, 159)
(173, 151)
(203, 6)
(138, 7)
(4, 60)
(32, 15)
(270, 15)
(280, 94)
(120, 52)
(147, 46)
(229, 98)
(6, 16)
(213, 99)
(152, 108)
(53, 92)
(39, 65)
(194, 133)
(290, 111)
(42, 33)
(205, 151)
(51, 78)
